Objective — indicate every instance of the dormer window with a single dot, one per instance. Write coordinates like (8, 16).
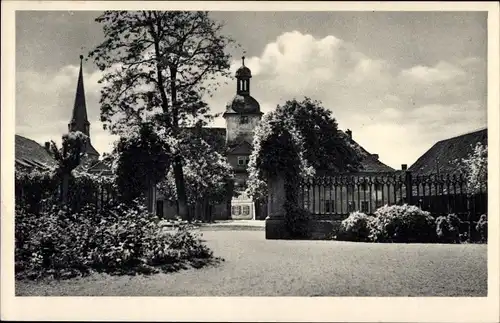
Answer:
(244, 120)
(243, 160)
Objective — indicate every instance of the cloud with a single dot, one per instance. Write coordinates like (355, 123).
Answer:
(397, 113)
(394, 112)
(44, 104)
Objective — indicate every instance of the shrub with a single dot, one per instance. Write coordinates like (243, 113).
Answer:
(447, 228)
(35, 189)
(482, 228)
(122, 240)
(355, 228)
(402, 223)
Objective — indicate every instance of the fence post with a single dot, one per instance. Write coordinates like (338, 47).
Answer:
(409, 187)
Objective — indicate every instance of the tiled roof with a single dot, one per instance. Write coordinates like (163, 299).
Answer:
(30, 154)
(444, 155)
(369, 162)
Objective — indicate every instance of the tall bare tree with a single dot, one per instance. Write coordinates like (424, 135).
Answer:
(158, 66)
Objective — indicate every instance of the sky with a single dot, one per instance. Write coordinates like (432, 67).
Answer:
(401, 81)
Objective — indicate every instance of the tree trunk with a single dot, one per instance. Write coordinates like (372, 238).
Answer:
(150, 196)
(469, 218)
(181, 190)
(65, 189)
(178, 171)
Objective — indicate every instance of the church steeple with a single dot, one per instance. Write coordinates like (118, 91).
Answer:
(79, 120)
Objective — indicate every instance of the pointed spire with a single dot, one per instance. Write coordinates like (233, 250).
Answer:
(243, 60)
(79, 120)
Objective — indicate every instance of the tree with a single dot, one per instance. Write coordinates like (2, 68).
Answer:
(141, 160)
(475, 168)
(68, 157)
(158, 65)
(298, 137)
(207, 174)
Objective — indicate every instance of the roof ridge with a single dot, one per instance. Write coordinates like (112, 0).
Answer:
(29, 139)
(463, 134)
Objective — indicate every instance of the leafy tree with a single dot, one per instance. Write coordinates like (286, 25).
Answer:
(294, 141)
(298, 137)
(141, 160)
(158, 65)
(68, 157)
(475, 168)
(207, 174)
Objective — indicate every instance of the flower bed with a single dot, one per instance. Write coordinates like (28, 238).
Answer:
(122, 240)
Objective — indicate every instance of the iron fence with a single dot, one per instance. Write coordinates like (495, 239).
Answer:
(335, 195)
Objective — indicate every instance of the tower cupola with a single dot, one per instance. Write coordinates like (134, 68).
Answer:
(243, 76)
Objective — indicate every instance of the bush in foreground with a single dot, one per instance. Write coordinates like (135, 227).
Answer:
(123, 240)
(482, 228)
(402, 223)
(448, 228)
(355, 228)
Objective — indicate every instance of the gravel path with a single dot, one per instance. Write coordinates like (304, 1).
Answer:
(257, 267)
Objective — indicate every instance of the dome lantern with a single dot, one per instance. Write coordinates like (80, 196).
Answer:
(243, 76)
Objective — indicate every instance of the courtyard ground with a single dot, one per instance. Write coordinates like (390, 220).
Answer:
(254, 266)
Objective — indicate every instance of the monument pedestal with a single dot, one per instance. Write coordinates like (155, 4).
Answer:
(275, 221)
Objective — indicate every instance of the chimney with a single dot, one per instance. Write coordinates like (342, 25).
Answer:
(47, 146)
(375, 156)
(404, 167)
(349, 133)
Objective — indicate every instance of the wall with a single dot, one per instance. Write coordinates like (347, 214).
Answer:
(234, 129)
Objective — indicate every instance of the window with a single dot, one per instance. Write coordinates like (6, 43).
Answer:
(159, 208)
(244, 120)
(364, 206)
(243, 160)
(330, 206)
(351, 207)
(246, 210)
(236, 210)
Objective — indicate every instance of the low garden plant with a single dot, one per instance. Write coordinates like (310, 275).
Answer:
(355, 228)
(119, 240)
(407, 224)
(448, 228)
(403, 223)
(482, 228)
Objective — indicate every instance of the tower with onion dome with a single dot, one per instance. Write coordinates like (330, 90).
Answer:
(243, 111)
(242, 116)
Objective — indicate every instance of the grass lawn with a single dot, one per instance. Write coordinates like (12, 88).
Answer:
(254, 266)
